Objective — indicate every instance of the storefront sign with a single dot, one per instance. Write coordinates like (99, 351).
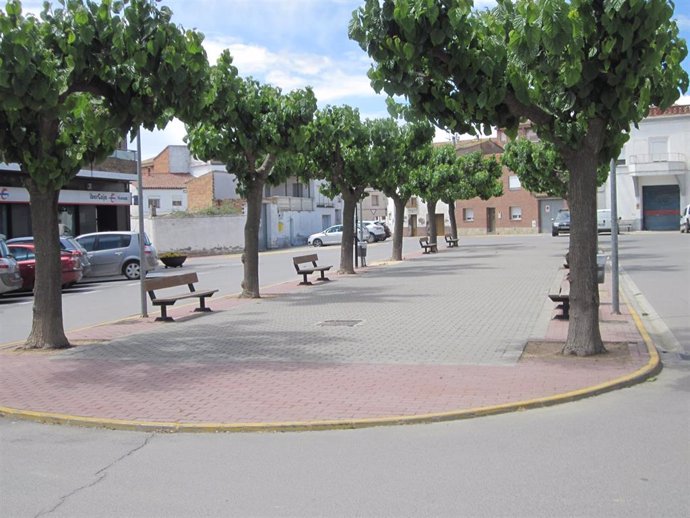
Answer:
(19, 195)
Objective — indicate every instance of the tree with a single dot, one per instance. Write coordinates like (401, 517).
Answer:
(72, 85)
(431, 180)
(400, 149)
(248, 126)
(580, 70)
(474, 176)
(540, 168)
(341, 150)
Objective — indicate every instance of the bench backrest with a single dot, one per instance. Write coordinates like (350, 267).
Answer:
(301, 259)
(170, 281)
(423, 240)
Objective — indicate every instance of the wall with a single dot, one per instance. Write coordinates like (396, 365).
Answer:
(197, 235)
(200, 193)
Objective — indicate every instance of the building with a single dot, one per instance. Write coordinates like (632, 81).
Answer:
(97, 199)
(653, 172)
(175, 181)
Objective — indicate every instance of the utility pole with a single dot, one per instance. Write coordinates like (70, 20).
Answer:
(142, 255)
(615, 304)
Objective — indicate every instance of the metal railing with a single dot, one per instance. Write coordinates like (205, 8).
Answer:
(657, 157)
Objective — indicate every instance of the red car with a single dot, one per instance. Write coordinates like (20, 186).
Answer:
(26, 259)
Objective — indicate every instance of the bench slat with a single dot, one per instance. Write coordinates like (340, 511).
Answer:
(170, 281)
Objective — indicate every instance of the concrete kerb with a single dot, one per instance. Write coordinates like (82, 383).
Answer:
(652, 368)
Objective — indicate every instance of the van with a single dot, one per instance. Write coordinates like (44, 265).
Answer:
(117, 253)
(604, 220)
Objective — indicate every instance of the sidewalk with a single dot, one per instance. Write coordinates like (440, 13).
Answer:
(435, 337)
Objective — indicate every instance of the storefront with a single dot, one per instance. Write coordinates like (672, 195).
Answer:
(94, 201)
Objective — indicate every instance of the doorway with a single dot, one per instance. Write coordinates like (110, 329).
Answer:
(491, 220)
(413, 225)
(440, 225)
(548, 209)
(661, 207)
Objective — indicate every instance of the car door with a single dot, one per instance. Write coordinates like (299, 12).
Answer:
(105, 252)
(334, 235)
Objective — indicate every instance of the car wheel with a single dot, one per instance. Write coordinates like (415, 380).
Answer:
(687, 227)
(371, 238)
(317, 242)
(131, 270)
(554, 233)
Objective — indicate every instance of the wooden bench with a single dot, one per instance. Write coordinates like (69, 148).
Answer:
(151, 284)
(310, 259)
(427, 246)
(560, 293)
(451, 241)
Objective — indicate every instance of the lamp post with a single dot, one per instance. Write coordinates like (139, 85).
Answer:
(615, 304)
(142, 253)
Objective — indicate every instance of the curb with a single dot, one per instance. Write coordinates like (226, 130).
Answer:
(652, 368)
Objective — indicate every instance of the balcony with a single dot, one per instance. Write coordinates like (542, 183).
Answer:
(291, 203)
(658, 164)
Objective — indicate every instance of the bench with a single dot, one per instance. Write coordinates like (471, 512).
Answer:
(451, 241)
(427, 246)
(310, 259)
(151, 284)
(560, 293)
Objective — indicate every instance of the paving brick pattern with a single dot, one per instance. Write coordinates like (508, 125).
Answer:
(437, 333)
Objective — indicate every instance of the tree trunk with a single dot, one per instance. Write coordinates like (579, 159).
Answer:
(398, 227)
(431, 216)
(347, 245)
(47, 330)
(250, 257)
(584, 337)
(453, 222)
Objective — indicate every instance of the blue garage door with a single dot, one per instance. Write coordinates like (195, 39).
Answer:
(661, 207)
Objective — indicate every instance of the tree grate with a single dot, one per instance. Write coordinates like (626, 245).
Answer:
(339, 323)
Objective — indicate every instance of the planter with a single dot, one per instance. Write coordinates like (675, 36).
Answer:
(173, 262)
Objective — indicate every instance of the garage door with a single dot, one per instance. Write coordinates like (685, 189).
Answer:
(661, 207)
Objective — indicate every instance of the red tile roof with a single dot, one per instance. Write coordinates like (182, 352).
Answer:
(166, 181)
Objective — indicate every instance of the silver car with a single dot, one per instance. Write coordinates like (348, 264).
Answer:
(10, 278)
(117, 253)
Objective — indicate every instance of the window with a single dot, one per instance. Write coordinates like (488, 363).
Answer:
(135, 199)
(177, 202)
(374, 200)
(514, 182)
(155, 203)
(515, 213)
(468, 214)
(297, 190)
(109, 242)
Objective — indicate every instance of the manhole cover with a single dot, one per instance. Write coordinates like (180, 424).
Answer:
(339, 323)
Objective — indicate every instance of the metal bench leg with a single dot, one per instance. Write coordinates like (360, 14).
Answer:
(323, 277)
(164, 315)
(305, 282)
(202, 306)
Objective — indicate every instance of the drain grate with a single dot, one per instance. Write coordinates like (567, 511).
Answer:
(339, 323)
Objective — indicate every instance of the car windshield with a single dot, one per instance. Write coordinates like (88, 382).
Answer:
(563, 216)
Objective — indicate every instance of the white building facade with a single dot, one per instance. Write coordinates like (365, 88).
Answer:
(653, 172)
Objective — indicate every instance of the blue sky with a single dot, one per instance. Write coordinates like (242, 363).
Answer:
(293, 44)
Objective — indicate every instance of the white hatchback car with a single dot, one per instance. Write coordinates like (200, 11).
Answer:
(333, 236)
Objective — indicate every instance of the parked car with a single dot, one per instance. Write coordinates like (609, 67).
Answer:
(334, 235)
(561, 223)
(376, 230)
(386, 228)
(117, 253)
(685, 220)
(10, 277)
(68, 244)
(25, 254)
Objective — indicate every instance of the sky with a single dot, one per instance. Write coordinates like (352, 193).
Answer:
(292, 44)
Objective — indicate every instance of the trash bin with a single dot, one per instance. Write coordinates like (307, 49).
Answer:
(362, 252)
(601, 268)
